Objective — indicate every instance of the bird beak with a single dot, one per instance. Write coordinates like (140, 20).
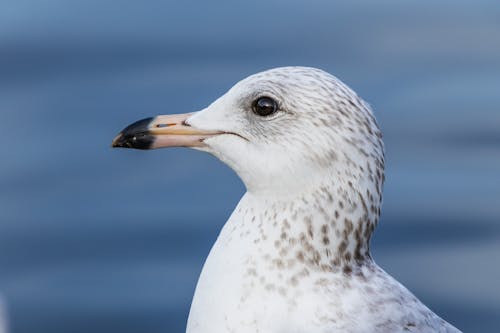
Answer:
(162, 131)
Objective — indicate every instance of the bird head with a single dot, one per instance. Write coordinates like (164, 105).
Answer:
(281, 130)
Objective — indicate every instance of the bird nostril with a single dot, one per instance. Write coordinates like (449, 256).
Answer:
(165, 125)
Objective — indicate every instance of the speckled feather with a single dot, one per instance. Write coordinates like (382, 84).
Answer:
(294, 255)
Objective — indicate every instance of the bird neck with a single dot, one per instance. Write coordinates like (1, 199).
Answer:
(327, 228)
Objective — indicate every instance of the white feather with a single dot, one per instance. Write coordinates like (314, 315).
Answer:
(294, 255)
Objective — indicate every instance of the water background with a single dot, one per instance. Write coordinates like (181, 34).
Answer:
(101, 240)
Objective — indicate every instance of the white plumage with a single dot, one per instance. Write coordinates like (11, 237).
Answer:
(294, 255)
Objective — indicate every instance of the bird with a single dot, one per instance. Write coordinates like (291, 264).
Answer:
(294, 256)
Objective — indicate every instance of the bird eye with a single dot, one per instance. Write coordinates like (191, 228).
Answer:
(264, 106)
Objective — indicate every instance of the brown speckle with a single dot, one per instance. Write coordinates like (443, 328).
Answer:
(270, 287)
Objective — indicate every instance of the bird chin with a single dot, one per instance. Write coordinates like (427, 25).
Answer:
(228, 148)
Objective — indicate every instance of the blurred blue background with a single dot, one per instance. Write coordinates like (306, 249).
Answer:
(101, 240)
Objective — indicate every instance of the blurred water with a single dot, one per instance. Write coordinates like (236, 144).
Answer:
(92, 240)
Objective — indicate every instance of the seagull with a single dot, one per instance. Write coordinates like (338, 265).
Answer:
(294, 256)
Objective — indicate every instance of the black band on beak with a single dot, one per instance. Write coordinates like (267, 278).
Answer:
(136, 136)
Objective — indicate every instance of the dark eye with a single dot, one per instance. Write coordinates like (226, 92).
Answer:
(264, 106)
